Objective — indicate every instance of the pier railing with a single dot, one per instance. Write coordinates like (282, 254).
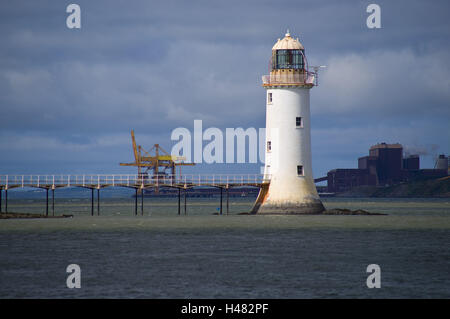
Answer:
(133, 180)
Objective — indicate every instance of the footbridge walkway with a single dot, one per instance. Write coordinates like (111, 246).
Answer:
(138, 182)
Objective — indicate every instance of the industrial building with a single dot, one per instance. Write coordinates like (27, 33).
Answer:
(385, 165)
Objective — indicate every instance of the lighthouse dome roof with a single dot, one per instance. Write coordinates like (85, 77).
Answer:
(288, 43)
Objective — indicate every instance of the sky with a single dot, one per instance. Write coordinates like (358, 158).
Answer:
(69, 97)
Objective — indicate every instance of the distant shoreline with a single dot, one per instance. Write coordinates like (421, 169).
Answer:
(428, 188)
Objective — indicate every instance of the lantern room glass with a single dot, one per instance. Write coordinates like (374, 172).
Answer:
(288, 59)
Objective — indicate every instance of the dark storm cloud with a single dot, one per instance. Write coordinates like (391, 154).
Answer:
(157, 65)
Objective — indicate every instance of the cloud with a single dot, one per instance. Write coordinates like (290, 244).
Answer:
(155, 66)
(74, 143)
(386, 82)
(425, 150)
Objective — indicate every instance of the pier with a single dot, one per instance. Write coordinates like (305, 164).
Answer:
(137, 182)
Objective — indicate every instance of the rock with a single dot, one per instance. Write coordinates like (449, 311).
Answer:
(29, 215)
(345, 211)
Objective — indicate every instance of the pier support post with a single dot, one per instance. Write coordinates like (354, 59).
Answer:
(53, 202)
(221, 191)
(92, 202)
(1, 191)
(135, 202)
(98, 201)
(179, 201)
(142, 202)
(185, 195)
(227, 200)
(46, 207)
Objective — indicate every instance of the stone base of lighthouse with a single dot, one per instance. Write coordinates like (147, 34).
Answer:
(284, 198)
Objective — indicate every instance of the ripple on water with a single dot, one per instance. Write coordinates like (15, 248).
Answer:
(163, 255)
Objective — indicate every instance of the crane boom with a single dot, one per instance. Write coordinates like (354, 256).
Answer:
(136, 154)
(157, 163)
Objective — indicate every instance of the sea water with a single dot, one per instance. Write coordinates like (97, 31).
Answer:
(205, 255)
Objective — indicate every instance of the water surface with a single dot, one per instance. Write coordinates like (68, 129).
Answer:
(201, 255)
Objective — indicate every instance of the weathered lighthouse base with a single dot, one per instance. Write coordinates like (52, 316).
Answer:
(291, 209)
(299, 203)
(304, 207)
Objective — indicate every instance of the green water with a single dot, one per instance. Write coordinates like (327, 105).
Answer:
(157, 213)
(203, 255)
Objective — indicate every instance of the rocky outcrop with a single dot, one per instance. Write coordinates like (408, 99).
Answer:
(29, 215)
(344, 211)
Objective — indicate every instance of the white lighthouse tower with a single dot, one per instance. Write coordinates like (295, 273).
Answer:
(288, 134)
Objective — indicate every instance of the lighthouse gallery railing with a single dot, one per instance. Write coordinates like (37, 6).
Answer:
(307, 78)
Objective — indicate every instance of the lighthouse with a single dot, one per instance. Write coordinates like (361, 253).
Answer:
(288, 134)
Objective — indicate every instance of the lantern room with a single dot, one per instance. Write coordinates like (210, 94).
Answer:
(288, 65)
(288, 53)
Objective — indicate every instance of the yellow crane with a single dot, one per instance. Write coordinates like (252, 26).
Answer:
(158, 163)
